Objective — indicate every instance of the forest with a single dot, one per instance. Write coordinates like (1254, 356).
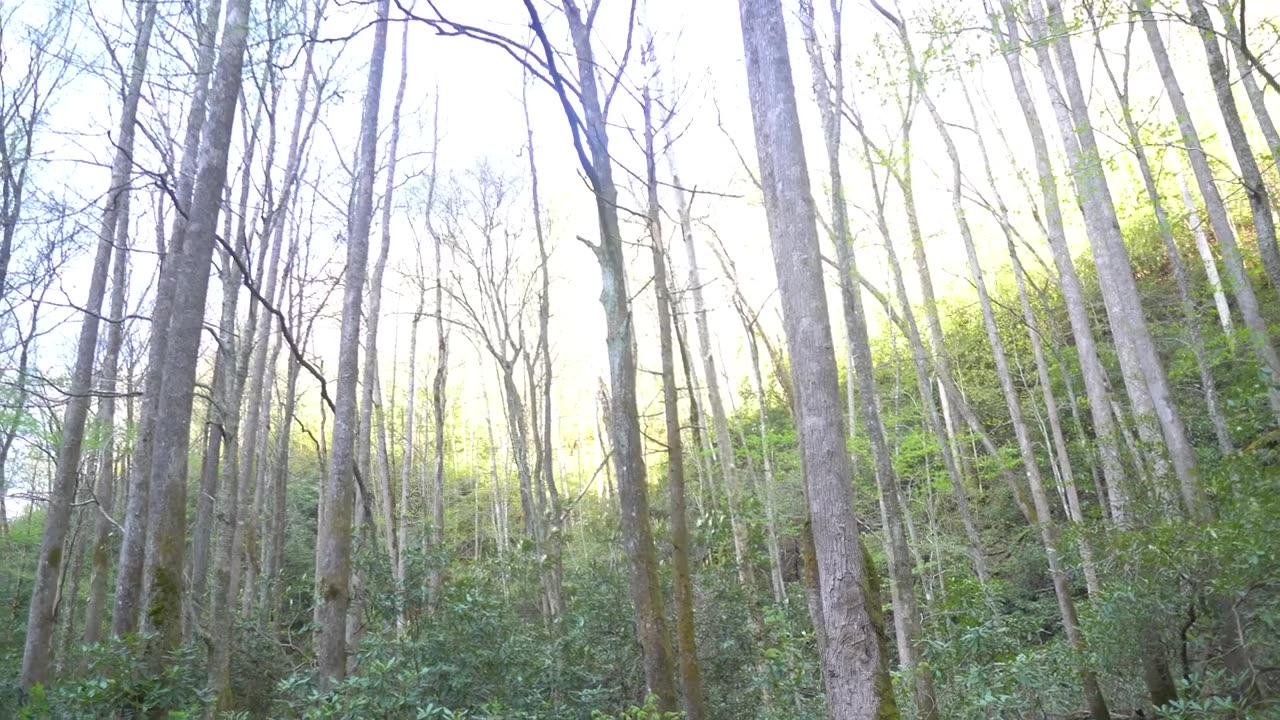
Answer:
(640, 359)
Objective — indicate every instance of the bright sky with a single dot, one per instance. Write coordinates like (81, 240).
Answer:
(479, 90)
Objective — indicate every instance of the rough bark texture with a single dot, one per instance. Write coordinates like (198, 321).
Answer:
(129, 586)
(854, 664)
(903, 589)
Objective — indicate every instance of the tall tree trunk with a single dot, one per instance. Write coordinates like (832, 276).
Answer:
(719, 420)
(236, 347)
(370, 398)
(855, 664)
(1141, 367)
(1238, 278)
(202, 533)
(628, 449)
(406, 454)
(1060, 452)
(1190, 312)
(1255, 188)
(334, 541)
(1256, 94)
(129, 568)
(231, 384)
(258, 403)
(1095, 380)
(554, 563)
(1043, 515)
(439, 404)
(105, 480)
(44, 589)
(162, 571)
(939, 422)
(903, 590)
(686, 641)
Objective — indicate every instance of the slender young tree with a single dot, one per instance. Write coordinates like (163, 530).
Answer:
(543, 440)
(939, 420)
(105, 473)
(1255, 187)
(686, 642)
(439, 403)
(1240, 284)
(1206, 258)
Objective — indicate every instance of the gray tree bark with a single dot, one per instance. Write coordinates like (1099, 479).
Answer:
(1143, 370)
(1190, 312)
(41, 616)
(854, 663)
(1255, 92)
(830, 95)
(162, 571)
(334, 532)
(1238, 278)
(129, 582)
(105, 480)
(1096, 390)
(719, 420)
(628, 449)
(1255, 188)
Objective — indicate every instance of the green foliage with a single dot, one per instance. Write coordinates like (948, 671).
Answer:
(115, 682)
(649, 711)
